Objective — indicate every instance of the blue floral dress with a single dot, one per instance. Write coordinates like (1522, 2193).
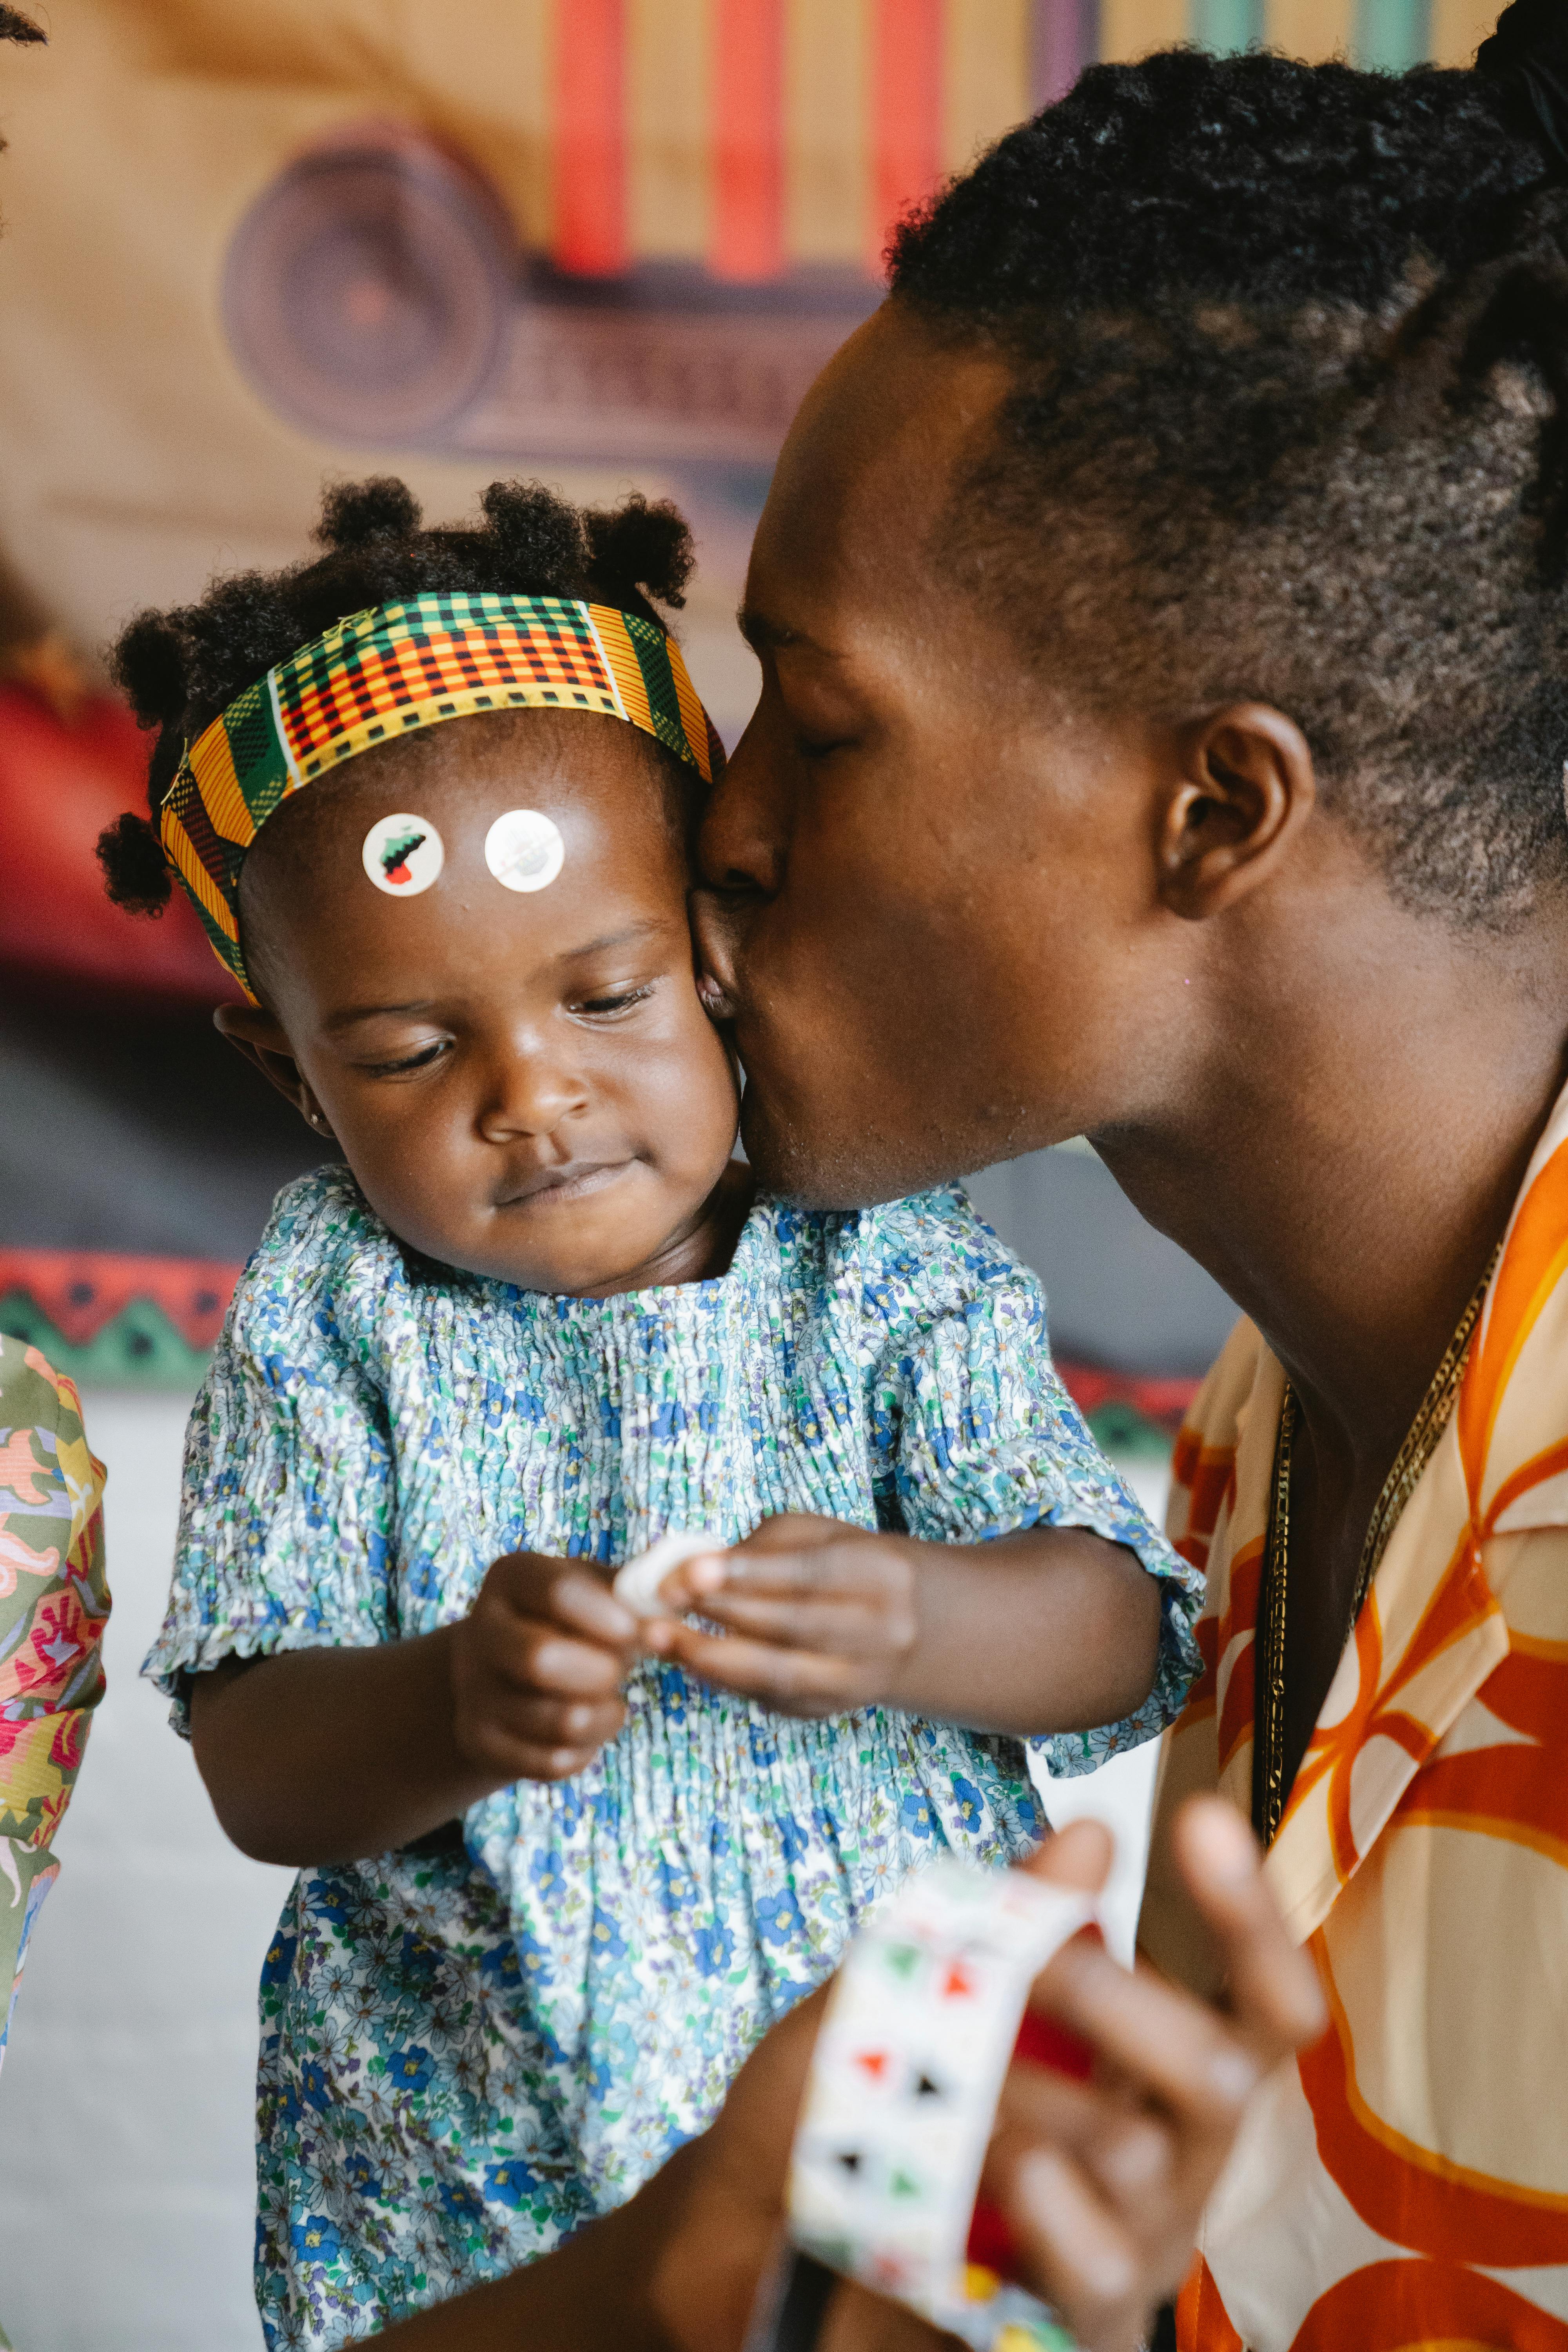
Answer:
(472, 2046)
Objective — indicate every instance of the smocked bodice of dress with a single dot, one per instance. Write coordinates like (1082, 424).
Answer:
(595, 1424)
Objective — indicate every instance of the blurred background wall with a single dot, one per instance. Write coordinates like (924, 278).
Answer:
(608, 242)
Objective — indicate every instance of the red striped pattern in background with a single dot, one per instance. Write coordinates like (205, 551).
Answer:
(905, 48)
(748, 234)
(892, 94)
(906, 112)
(590, 191)
(1064, 39)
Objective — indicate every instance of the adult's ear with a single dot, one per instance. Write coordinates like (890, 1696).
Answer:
(260, 1035)
(1246, 786)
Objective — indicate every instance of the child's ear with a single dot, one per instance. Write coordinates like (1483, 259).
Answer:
(260, 1037)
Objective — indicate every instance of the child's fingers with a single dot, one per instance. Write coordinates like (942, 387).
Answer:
(851, 1628)
(530, 1585)
(791, 1554)
(542, 1739)
(569, 1723)
(552, 1763)
(695, 1583)
(690, 1585)
(856, 1567)
(583, 1601)
(798, 1682)
(792, 1531)
(544, 1660)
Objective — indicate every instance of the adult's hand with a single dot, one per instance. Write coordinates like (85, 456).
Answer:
(1104, 2181)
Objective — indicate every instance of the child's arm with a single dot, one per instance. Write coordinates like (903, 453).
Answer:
(1051, 1629)
(321, 1732)
(325, 1755)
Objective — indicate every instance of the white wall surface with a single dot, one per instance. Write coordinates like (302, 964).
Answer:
(126, 2178)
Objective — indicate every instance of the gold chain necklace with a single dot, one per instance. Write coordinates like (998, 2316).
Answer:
(1420, 1444)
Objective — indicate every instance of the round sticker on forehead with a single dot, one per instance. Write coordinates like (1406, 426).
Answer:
(403, 855)
(524, 850)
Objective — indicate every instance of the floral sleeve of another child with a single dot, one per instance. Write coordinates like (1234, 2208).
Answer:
(54, 1606)
(974, 1435)
(287, 1496)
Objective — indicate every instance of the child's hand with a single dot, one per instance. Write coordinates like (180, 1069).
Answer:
(819, 1615)
(537, 1668)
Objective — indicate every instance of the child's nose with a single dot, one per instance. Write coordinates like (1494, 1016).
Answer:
(529, 1094)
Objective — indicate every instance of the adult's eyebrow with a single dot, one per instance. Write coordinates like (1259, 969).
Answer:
(764, 634)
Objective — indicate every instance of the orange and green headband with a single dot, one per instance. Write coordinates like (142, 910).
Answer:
(382, 673)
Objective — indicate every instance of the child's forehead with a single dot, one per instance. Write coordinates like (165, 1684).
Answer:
(601, 775)
(443, 856)
(576, 754)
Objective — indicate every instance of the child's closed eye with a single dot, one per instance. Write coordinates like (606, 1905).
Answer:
(621, 1001)
(419, 1061)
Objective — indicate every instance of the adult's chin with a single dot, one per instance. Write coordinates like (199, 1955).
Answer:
(824, 1158)
(782, 1160)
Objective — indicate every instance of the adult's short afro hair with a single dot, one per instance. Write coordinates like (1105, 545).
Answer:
(1289, 422)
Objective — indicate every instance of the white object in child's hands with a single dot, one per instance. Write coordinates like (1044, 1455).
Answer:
(904, 2081)
(637, 1587)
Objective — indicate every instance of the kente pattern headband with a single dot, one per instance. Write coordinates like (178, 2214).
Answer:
(380, 673)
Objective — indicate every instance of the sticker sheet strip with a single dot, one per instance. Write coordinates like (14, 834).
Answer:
(903, 2093)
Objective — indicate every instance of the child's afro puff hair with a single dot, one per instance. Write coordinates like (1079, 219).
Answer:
(182, 669)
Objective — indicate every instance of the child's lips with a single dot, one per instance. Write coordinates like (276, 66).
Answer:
(714, 997)
(558, 1187)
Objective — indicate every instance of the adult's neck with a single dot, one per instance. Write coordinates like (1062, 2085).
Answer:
(1344, 1160)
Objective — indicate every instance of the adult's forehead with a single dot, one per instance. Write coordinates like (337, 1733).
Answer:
(868, 463)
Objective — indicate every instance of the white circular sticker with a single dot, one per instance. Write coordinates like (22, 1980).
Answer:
(524, 850)
(403, 855)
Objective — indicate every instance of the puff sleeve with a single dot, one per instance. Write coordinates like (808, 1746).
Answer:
(286, 1501)
(973, 1435)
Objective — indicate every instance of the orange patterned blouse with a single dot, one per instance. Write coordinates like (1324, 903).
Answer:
(1405, 2182)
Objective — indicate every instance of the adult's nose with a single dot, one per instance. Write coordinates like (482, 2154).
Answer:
(741, 842)
(741, 859)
